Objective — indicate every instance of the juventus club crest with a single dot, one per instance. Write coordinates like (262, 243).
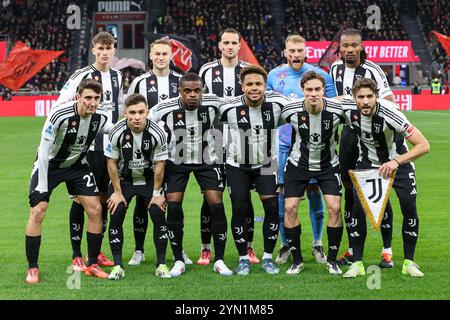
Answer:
(326, 124)
(174, 87)
(267, 115)
(146, 145)
(373, 193)
(377, 127)
(204, 117)
(94, 126)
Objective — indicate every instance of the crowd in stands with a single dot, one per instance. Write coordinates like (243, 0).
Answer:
(315, 20)
(320, 20)
(435, 15)
(206, 19)
(41, 25)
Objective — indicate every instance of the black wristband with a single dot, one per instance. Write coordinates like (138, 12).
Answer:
(397, 162)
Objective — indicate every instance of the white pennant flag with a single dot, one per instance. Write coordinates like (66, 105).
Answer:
(373, 192)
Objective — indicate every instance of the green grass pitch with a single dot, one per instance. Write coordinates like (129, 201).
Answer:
(19, 138)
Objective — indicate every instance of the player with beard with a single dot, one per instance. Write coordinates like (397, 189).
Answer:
(345, 72)
(222, 77)
(252, 160)
(376, 122)
(68, 132)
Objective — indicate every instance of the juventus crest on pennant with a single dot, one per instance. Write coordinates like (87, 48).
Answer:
(373, 193)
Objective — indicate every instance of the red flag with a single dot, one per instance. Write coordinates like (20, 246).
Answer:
(444, 40)
(22, 63)
(246, 54)
(330, 56)
(2, 50)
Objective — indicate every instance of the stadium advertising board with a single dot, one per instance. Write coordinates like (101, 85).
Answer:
(39, 106)
(377, 51)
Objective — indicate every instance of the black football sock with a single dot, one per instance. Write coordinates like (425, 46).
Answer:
(410, 227)
(104, 218)
(271, 224)
(358, 230)
(94, 242)
(76, 219)
(386, 226)
(205, 223)
(348, 208)
(293, 240)
(239, 224)
(219, 229)
(32, 245)
(159, 233)
(250, 221)
(116, 233)
(334, 241)
(175, 228)
(140, 223)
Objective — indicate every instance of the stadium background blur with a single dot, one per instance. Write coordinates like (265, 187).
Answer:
(263, 23)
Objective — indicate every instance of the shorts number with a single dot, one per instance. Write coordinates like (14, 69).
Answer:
(338, 178)
(411, 175)
(89, 178)
(219, 174)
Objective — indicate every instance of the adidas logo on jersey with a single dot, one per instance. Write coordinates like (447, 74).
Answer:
(304, 126)
(339, 79)
(218, 79)
(243, 120)
(179, 123)
(413, 191)
(73, 130)
(127, 146)
(152, 89)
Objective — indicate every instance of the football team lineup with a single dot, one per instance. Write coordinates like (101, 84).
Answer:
(282, 147)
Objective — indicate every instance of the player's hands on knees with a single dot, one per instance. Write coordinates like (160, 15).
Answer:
(114, 201)
(160, 201)
(388, 168)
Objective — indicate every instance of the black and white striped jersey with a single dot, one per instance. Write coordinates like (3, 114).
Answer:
(155, 88)
(252, 131)
(316, 135)
(190, 135)
(66, 138)
(223, 82)
(112, 99)
(376, 133)
(136, 152)
(344, 77)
